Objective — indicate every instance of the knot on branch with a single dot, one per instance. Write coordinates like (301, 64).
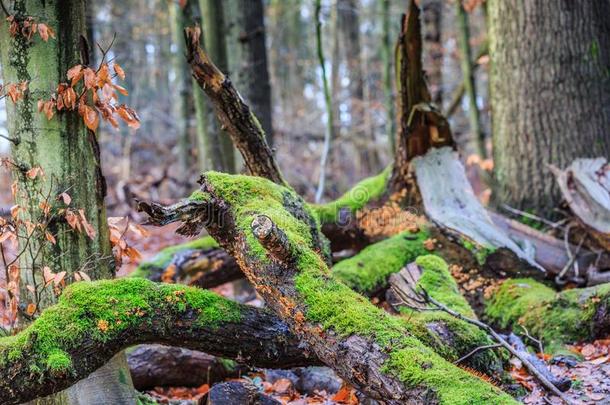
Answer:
(272, 238)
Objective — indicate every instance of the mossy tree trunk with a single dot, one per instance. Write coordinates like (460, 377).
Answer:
(550, 96)
(67, 152)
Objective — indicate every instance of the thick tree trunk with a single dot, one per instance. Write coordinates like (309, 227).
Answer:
(433, 47)
(69, 155)
(388, 90)
(550, 95)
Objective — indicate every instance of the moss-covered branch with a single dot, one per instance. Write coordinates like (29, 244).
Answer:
(557, 318)
(374, 351)
(94, 321)
(450, 337)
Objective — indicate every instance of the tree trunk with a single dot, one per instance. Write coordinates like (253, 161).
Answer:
(348, 24)
(433, 47)
(69, 155)
(181, 88)
(550, 95)
(388, 89)
(476, 131)
(218, 146)
(251, 68)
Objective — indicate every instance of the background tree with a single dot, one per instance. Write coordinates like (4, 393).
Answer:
(218, 147)
(68, 153)
(550, 93)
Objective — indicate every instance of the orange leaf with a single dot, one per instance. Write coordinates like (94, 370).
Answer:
(49, 236)
(119, 71)
(43, 31)
(129, 116)
(59, 277)
(83, 275)
(90, 80)
(90, 117)
(47, 275)
(75, 73)
(121, 90)
(34, 172)
(31, 308)
(88, 228)
(72, 220)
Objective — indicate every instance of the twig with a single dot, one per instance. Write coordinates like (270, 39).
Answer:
(533, 339)
(524, 360)
(4, 9)
(571, 257)
(476, 350)
(15, 141)
(516, 211)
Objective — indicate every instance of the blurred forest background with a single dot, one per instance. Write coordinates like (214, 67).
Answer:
(162, 159)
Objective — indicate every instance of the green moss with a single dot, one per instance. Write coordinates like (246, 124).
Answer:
(102, 310)
(440, 285)
(58, 361)
(164, 257)
(334, 306)
(557, 318)
(480, 252)
(356, 198)
(370, 269)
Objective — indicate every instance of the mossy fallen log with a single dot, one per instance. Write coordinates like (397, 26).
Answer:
(557, 318)
(452, 338)
(93, 321)
(276, 239)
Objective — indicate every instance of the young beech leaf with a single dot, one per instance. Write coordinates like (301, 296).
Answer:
(119, 71)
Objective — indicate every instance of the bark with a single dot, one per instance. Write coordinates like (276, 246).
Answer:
(421, 124)
(69, 154)
(235, 116)
(218, 147)
(157, 366)
(94, 321)
(282, 256)
(542, 118)
(433, 47)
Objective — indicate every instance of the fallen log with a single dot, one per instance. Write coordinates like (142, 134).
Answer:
(453, 337)
(556, 318)
(157, 366)
(200, 263)
(275, 238)
(95, 320)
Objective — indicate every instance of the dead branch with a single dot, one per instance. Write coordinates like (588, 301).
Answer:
(233, 113)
